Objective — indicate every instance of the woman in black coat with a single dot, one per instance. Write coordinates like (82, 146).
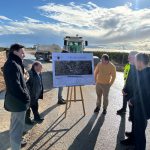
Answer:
(35, 86)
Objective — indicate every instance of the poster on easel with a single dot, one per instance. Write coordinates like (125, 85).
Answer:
(72, 69)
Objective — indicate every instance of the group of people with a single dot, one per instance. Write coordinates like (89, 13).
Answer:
(23, 90)
(135, 92)
(22, 93)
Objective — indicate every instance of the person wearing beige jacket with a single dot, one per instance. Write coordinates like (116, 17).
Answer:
(105, 74)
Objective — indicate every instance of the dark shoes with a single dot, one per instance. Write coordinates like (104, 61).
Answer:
(23, 143)
(28, 121)
(39, 120)
(127, 142)
(121, 111)
(97, 109)
(61, 102)
(128, 134)
(104, 111)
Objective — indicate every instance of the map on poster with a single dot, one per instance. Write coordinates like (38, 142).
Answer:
(72, 69)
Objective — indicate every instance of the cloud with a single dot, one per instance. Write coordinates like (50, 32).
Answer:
(4, 18)
(103, 25)
(120, 25)
(31, 20)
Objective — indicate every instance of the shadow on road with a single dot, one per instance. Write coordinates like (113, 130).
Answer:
(121, 135)
(88, 136)
(121, 132)
(4, 140)
(4, 136)
(48, 110)
(43, 114)
(55, 135)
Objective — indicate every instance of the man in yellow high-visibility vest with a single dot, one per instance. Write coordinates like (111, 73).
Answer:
(128, 71)
(128, 91)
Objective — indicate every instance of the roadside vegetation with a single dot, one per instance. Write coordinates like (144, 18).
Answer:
(118, 58)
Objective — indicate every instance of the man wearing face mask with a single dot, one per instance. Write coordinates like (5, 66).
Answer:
(35, 87)
(105, 74)
(17, 97)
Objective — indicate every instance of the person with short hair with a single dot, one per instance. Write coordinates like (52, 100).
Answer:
(141, 101)
(35, 86)
(128, 92)
(129, 75)
(105, 74)
(17, 98)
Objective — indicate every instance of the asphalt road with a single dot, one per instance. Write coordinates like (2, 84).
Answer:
(75, 132)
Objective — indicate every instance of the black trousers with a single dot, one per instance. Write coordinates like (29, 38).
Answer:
(125, 101)
(34, 107)
(131, 113)
(140, 124)
(131, 116)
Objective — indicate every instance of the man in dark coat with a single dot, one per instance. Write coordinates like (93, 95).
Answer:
(128, 92)
(129, 74)
(35, 87)
(17, 97)
(141, 101)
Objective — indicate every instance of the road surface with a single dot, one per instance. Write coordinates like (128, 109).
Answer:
(75, 132)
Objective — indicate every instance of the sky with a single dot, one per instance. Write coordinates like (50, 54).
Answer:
(120, 24)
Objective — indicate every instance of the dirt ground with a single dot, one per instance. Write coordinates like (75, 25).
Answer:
(2, 61)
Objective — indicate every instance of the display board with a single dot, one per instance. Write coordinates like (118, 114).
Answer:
(72, 69)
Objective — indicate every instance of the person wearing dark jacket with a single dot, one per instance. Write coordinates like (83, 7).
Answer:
(128, 91)
(35, 87)
(129, 73)
(141, 101)
(17, 97)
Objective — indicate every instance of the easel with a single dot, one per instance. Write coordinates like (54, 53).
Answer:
(72, 91)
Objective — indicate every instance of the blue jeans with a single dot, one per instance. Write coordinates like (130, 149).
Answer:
(60, 90)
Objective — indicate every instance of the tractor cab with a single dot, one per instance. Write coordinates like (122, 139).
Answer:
(74, 44)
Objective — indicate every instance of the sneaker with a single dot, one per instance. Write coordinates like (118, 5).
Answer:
(121, 111)
(61, 102)
(127, 142)
(104, 111)
(128, 134)
(97, 109)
